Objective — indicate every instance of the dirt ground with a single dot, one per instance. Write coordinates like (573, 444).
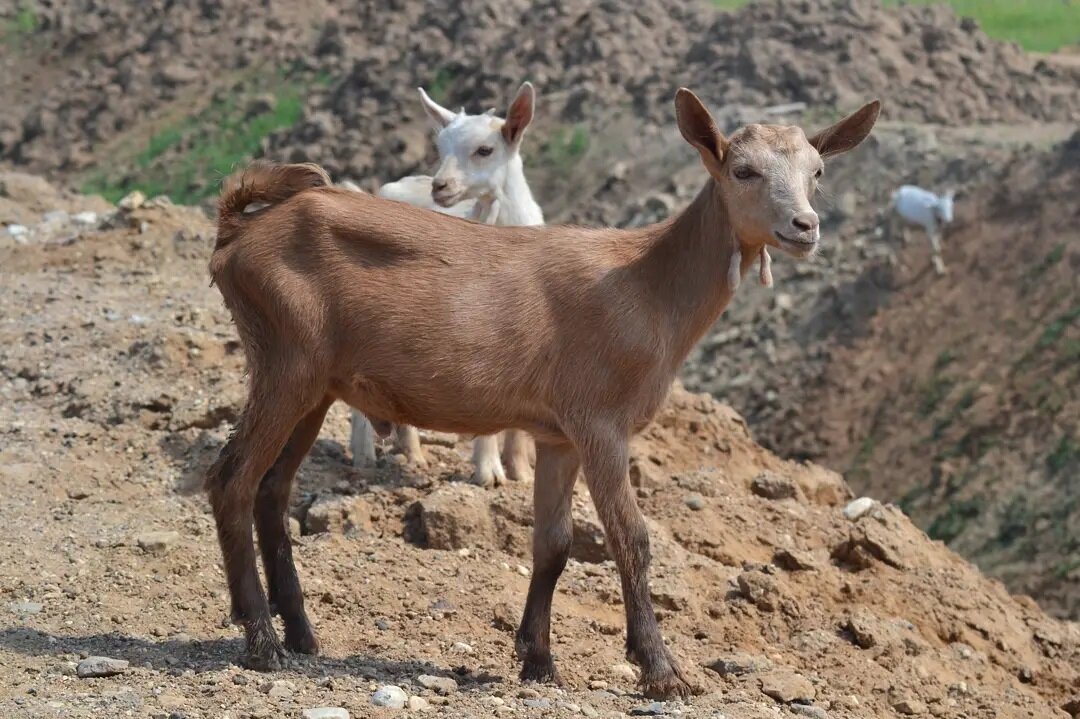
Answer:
(120, 376)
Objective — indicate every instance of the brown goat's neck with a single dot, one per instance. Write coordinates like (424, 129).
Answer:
(685, 266)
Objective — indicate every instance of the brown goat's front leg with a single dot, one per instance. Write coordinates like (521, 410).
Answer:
(272, 527)
(606, 465)
(232, 484)
(553, 533)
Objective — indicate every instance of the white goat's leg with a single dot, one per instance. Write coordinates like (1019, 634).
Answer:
(487, 468)
(516, 455)
(765, 270)
(935, 247)
(407, 441)
(362, 441)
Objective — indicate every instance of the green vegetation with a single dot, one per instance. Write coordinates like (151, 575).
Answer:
(565, 147)
(1055, 329)
(439, 89)
(1016, 520)
(186, 159)
(945, 358)
(935, 390)
(950, 524)
(1066, 454)
(1037, 25)
(24, 23)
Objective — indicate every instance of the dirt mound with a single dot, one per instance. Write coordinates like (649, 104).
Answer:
(979, 371)
(120, 375)
(118, 76)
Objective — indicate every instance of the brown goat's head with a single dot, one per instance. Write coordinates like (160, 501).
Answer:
(767, 174)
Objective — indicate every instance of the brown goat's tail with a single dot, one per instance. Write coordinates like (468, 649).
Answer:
(265, 183)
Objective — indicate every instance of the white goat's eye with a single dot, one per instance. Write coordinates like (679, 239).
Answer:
(819, 173)
(744, 173)
(484, 151)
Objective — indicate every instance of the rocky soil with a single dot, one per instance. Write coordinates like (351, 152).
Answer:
(121, 375)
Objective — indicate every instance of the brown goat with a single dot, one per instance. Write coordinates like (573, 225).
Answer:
(591, 326)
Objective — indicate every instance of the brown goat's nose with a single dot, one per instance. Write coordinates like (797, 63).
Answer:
(805, 221)
(438, 185)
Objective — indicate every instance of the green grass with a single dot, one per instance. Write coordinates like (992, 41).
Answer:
(1066, 454)
(565, 146)
(1037, 25)
(203, 148)
(1056, 329)
(932, 394)
(951, 523)
(439, 90)
(24, 23)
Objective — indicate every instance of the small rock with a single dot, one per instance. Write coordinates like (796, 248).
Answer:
(382, 625)
(527, 693)
(760, 589)
(389, 696)
(441, 608)
(739, 664)
(26, 607)
(788, 687)
(100, 667)
(18, 230)
(329, 713)
(773, 486)
(1071, 707)
(648, 710)
(589, 711)
(858, 507)
(279, 689)
(85, 219)
(240, 679)
(132, 201)
(55, 217)
(624, 671)
(157, 543)
(338, 515)
(419, 704)
(439, 685)
(794, 560)
(537, 703)
(695, 502)
(910, 707)
(809, 710)
(462, 648)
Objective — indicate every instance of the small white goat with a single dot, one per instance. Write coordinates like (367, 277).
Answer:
(480, 177)
(917, 206)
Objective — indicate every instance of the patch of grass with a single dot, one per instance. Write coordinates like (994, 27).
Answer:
(1016, 520)
(565, 146)
(24, 23)
(203, 148)
(439, 89)
(1065, 568)
(1055, 329)
(1066, 454)
(945, 358)
(950, 524)
(1037, 25)
(933, 393)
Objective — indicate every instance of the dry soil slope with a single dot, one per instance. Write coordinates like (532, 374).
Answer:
(961, 399)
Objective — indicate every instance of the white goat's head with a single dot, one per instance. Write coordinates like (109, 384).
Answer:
(476, 151)
(944, 208)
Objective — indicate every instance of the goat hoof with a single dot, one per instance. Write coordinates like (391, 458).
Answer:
(300, 639)
(519, 471)
(263, 661)
(541, 670)
(488, 476)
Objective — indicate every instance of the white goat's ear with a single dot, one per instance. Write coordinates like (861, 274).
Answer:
(699, 129)
(849, 132)
(520, 114)
(439, 115)
(490, 111)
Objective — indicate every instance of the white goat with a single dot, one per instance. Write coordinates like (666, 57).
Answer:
(481, 177)
(917, 206)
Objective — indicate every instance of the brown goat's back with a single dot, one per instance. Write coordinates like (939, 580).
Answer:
(262, 182)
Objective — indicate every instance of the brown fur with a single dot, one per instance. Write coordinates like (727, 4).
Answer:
(592, 325)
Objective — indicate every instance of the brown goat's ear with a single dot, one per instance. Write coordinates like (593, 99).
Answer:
(439, 115)
(849, 132)
(699, 129)
(520, 114)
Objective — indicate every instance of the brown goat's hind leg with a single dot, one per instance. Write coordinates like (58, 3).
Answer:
(232, 483)
(606, 472)
(553, 533)
(272, 526)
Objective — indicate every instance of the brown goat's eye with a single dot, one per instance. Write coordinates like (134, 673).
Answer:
(744, 173)
(484, 151)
